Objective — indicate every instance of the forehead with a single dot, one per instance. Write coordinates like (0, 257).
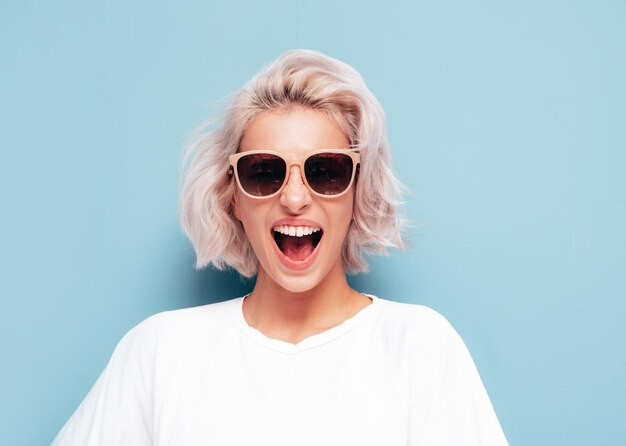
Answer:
(295, 132)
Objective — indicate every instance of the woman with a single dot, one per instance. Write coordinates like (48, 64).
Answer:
(294, 186)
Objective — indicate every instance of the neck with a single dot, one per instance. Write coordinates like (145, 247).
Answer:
(293, 316)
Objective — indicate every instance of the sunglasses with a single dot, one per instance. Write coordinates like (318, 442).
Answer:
(264, 174)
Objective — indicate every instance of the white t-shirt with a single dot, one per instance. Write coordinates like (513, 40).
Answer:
(394, 374)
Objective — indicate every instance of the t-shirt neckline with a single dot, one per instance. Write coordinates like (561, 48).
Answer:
(307, 343)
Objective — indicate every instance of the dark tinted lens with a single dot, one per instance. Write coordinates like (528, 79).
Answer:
(328, 173)
(261, 174)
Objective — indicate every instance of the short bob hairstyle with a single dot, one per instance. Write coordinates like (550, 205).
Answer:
(297, 79)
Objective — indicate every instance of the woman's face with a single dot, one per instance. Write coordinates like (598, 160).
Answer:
(296, 264)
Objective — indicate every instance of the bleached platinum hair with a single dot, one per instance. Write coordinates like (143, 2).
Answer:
(297, 79)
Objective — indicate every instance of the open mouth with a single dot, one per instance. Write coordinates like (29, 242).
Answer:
(297, 242)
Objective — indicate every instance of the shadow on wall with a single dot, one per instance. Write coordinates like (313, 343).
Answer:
(210, 285)
(201, 287)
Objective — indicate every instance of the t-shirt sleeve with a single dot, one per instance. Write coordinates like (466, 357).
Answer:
(460, 411)
(117, 410)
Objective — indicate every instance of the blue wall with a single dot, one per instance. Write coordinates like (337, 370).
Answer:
(507, 120)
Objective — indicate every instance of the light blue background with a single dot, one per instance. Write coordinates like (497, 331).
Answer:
(507, 120)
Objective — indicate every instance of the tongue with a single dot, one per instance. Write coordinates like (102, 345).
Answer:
(297, 248)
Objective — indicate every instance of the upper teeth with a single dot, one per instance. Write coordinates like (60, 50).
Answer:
(297, 231)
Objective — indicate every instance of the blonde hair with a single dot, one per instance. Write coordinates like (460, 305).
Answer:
(298, 78)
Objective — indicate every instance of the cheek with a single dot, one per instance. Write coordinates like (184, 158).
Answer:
(341, 216)
(251, 214)
(243, 207)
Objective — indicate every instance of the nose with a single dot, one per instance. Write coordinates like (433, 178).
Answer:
(295, 196)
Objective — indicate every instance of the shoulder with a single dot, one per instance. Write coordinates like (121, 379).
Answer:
(427, 340)
(413, 318)
(204, 321)
(415, 330)
(445, 384)
(193, 315)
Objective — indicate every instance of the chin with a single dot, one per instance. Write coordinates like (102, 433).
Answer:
(298, 281)
(298, 284)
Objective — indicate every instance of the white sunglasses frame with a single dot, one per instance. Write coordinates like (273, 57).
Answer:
(293, 161)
